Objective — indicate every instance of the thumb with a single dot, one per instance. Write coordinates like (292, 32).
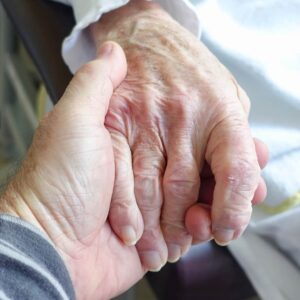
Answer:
(93, 84)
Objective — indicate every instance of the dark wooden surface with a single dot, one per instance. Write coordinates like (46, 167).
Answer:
(207, 272)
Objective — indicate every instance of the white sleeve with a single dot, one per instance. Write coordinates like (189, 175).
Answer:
(78, 47)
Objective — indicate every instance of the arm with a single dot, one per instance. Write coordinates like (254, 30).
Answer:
(30, 266)
(78, 48)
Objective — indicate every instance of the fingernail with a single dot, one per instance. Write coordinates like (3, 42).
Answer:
(128, 235)
(174, 253)
(223, 236)
(197, 241)
(106, 49)
(151, 260)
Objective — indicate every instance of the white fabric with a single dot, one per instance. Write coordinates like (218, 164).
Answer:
(78, 47)
(258, 40)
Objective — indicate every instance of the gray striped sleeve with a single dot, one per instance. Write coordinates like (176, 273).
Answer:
(30, 267)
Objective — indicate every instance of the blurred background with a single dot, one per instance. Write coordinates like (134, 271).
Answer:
(23, 99)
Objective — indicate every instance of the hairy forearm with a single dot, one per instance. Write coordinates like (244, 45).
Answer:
(17, 200)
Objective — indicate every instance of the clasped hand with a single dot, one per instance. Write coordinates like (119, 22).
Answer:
(180, 133)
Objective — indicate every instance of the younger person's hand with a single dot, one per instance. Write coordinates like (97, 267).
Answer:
(65, 185)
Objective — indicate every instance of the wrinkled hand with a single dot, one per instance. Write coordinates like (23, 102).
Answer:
(65, 184)
(177, 110)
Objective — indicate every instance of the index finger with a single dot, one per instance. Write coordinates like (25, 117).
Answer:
(233, 160)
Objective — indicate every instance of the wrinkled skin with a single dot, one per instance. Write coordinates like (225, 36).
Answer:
(178, 110)
(64, 186)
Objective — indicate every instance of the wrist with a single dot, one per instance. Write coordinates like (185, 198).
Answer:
(17, 201)
(118, 25)
(21, 202)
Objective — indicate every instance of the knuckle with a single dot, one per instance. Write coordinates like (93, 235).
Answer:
(240, 176)
(148, 142)
(229, 129)
(235, 216)
(152, 233)
(175, 231)
(121, 204)
(182, 181)
(171, 225)
(148, 209)
(174, 214)
(148, 164)
(235, 123)
(148, 193)
(182, 189)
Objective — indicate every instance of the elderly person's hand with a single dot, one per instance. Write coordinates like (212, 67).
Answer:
(177, 109)
(65, 184)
